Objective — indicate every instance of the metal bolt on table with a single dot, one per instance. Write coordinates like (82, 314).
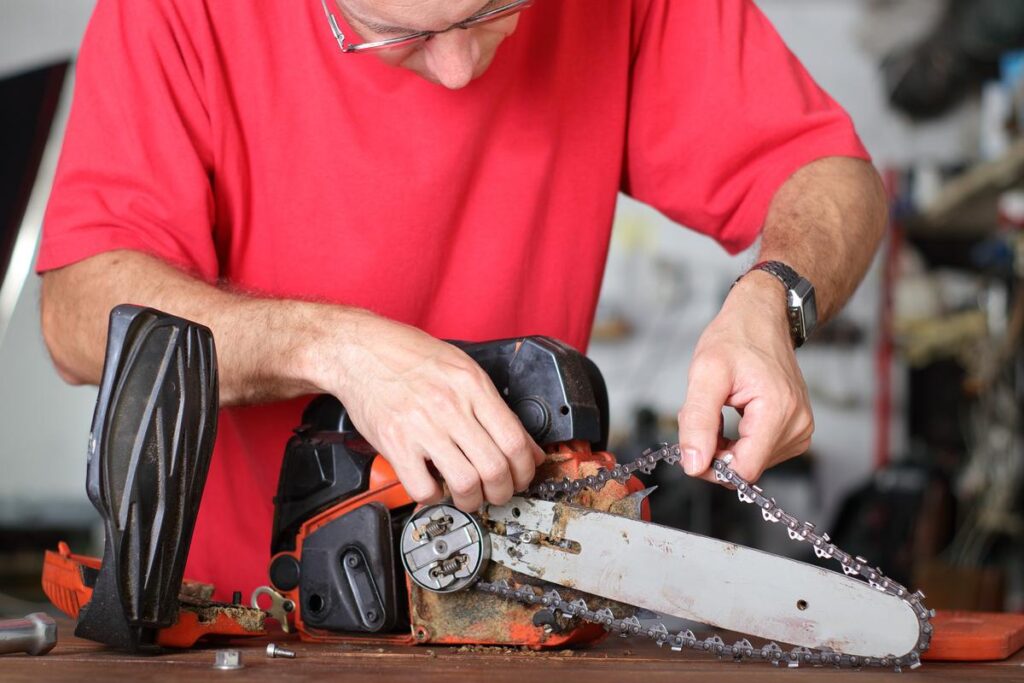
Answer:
(228, 660)
(275, 650)
(36, 634)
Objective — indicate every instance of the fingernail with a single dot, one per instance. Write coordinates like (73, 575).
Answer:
(690, 460)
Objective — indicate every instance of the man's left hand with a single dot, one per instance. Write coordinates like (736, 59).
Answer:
(745, 360)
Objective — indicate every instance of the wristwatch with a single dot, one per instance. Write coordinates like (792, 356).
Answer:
(800, 304)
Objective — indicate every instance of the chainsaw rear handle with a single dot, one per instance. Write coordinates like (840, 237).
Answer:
(149, 453)
(556, 392)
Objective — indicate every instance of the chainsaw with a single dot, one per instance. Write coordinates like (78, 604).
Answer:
(353, 558)
(573, 558)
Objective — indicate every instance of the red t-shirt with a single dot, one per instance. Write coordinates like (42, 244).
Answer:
(233, 138)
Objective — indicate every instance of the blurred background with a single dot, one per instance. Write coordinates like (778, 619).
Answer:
(917, 387)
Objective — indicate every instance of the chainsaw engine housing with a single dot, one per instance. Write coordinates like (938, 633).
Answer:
(340, 509)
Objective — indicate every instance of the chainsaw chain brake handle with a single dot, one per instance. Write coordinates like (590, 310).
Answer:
(149, 453)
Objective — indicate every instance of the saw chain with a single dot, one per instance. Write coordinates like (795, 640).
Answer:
(799, 531)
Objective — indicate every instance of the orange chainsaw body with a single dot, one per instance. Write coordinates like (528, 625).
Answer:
(65, 584)
(467, 617)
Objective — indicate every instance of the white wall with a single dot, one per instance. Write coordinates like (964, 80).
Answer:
(36, 32)
(841, 43)
(44, 424)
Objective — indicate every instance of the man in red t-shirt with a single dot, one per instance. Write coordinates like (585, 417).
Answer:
(331, 211)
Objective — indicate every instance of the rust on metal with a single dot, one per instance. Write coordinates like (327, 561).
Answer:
(470, 617)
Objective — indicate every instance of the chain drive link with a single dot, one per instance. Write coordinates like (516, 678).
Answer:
(772, 512)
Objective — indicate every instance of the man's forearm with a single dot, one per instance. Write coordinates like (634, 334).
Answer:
(262, 343)
(826, 222)
(418, 400)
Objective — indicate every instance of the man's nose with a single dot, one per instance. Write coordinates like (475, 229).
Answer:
(452, 57)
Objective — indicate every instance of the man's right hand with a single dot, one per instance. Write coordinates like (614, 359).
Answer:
(421, 402)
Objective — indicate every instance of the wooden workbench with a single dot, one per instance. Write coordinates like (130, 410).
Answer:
(615, 660)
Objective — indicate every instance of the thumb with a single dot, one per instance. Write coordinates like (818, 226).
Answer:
(539, 456)
(701, 415)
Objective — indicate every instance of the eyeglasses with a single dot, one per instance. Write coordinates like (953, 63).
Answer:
(494, 14)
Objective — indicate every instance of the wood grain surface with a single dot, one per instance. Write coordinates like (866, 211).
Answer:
(614, 660)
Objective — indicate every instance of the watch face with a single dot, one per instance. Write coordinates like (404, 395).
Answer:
(810, 313)
(803, 310)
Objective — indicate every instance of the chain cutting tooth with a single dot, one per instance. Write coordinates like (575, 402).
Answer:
(769, 511)
(743, 494)
(742, 648)
(799, 655)
(714, 644)
(630, 626)
(772, 652)
(654, 449)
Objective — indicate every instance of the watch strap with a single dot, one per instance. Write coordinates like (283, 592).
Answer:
(786, 275)
(801, 308)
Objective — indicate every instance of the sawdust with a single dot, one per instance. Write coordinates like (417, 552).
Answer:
(250, 619)
(497, 650)
(521, 651)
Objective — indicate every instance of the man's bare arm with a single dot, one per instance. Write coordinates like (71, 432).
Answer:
(826, 222)
(415, 398)
(77, 299)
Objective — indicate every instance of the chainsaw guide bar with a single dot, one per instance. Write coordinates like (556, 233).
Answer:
(548, 540)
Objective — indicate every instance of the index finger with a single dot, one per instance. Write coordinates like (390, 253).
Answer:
(760, 429)
(510, 436)
(710, 384)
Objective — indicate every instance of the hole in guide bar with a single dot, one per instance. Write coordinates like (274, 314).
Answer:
(516, 512)
(801, 605)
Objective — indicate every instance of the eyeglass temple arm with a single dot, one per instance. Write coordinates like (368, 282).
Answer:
(335, 29)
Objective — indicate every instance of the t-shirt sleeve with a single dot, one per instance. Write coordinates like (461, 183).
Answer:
(721, 115)
(135, 168)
